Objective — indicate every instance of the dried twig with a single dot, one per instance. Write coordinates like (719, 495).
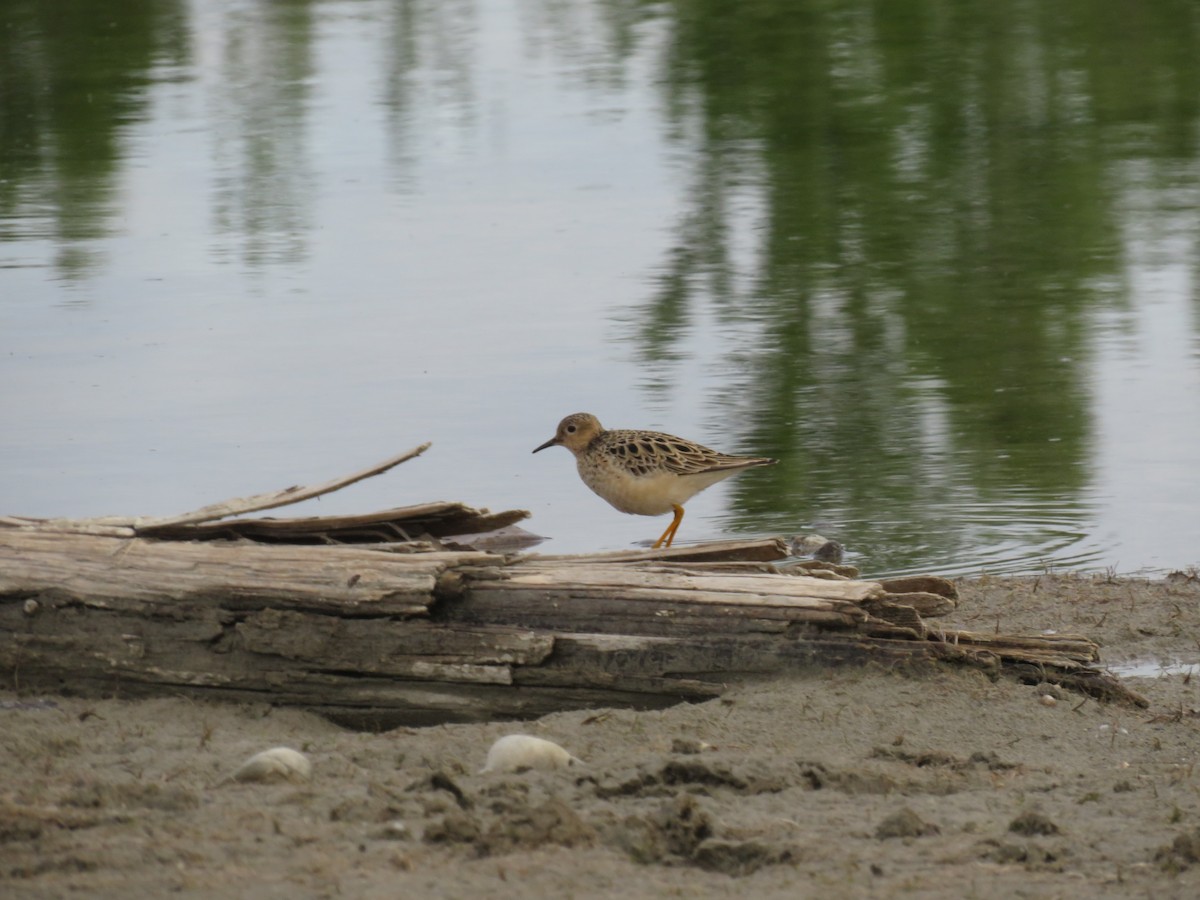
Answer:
(273, 499)
(128, 526)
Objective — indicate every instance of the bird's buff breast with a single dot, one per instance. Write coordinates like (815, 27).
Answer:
(640, 495)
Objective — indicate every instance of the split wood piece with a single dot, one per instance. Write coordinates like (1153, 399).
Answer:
(263, 650)
(599, 574)
(273, 499)
(68, 526)
(910, 609)
(416, 649)
(744, 656)
(771, 552)
(1032, 665)
(812, 568)
(108, 573)
(649, 599)
(1065, 660)
(821, 569)
(374, 673)
(439, 519)
(770, 549)
(1073, 646)
(129, 526)
(913, 598)
(923, 584)
(817, 570)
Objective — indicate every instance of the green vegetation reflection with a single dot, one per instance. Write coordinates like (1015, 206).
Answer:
(72, 77)
(939, 192)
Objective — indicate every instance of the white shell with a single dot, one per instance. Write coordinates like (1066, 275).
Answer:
(276, 764)
(524, 751)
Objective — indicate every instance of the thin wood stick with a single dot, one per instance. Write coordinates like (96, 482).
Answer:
(272, 499)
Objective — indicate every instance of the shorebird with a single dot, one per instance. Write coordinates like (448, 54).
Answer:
(645, 473)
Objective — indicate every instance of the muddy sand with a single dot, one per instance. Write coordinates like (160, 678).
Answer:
(854, 782)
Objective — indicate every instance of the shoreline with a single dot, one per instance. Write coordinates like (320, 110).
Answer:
(855, 781)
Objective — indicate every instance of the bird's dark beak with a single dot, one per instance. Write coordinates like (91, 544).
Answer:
(550, 443)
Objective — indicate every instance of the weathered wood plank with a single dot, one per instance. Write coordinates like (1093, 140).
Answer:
(208, 644)
(739, 656)
(656, 613)
(910, 609)
(923, 584)
(1074, 646)
(652, 599)
(392, 525)
(399, 647)
(104, 572)
(754, 550)
(768, 587)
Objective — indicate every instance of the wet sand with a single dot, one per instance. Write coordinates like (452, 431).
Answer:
(862, 782)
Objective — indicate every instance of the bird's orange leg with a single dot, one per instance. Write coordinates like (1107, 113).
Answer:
(669, 534)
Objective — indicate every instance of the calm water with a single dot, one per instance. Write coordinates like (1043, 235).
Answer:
(941, 258)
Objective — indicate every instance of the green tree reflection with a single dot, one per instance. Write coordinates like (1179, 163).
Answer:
(941, 215)
(265, 178)
(72, 79)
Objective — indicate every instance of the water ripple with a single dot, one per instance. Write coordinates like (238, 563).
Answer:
(971, 539)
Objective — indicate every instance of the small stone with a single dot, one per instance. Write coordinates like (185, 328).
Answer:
(905, 823)
(276, 764)
(518, 752)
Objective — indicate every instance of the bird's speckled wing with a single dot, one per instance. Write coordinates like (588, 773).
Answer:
(647, 452)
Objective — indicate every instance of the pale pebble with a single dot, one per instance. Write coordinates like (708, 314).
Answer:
(276, 764)
(514, 752)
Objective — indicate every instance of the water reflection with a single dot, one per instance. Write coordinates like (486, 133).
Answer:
(262, 54)
(915, 250)
(940, 224)
(72, 82)
(430, 53)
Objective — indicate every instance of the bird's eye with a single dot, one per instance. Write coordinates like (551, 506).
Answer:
(570, 429)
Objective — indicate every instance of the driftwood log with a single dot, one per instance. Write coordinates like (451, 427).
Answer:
(375, 622)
